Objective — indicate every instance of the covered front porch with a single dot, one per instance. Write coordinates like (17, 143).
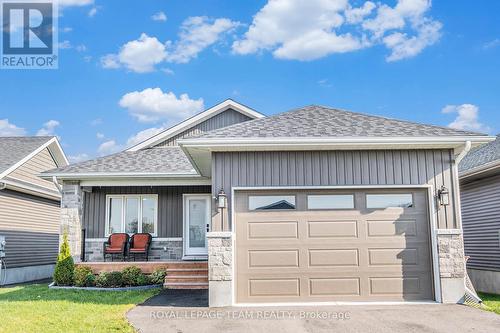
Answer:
(177, 217)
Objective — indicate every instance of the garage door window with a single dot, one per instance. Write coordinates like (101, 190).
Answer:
(337, 201)
(271, 202)
(389, 201)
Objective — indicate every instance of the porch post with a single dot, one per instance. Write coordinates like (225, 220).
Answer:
(220, 269)
(71, 216)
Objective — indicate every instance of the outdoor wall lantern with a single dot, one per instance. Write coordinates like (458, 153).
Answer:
(222, 199)
(444, 196)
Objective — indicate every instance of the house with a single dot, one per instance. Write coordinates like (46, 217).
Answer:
(480, 191)
(29, 207)
(308, 206)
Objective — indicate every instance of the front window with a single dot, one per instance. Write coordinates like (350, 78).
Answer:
(131, 214)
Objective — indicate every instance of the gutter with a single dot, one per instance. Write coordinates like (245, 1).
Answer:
(464, 152)
(3, 186)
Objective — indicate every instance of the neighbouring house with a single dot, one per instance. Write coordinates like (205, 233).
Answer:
(29, 207)
(480, 192)
(308, 206)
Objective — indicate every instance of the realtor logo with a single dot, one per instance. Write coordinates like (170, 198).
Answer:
(29, 38)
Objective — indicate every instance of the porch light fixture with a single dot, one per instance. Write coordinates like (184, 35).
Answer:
(222, 199)
(444, 196)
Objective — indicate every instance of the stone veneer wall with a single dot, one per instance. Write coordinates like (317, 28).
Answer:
(71, 216)
(160, 250)
(220, 268)
(451, 265)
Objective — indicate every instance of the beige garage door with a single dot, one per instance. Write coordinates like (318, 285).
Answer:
(317, 246)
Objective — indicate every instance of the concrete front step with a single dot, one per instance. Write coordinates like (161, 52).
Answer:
(189, 285)
(187, 271)
(186, 279)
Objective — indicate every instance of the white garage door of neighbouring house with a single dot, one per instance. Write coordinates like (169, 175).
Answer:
(325, 245)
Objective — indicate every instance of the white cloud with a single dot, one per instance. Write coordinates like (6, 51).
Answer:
(308, 30)
(81, 48)
(48, 128)
(357, 15)
(9, 129)
(66, 29)
(65, 45)
(96, 122)
(160, 16)
(167, 71)
(143, 54)
(78, 158)
(100, 136)
(140, 55)
(403, 46)
(143, 135)
(467, 117)
(109, 147)
(93, 11)
(197, 33)
(152, 104)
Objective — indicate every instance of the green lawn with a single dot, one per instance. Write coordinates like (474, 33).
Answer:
(491, 301)
(36, 308)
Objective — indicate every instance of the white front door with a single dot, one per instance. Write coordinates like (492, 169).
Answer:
(196, 223)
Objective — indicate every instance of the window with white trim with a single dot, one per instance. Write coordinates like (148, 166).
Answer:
(132, 213)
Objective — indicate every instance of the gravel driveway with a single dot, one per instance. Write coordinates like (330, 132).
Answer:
(187, 311)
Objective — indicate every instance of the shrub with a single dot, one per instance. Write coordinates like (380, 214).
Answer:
(102, 280)
(90, 280)
(143, 280)
(81, 273)
(65, 267)
(158, 276)
(131, 275)
(109, 280)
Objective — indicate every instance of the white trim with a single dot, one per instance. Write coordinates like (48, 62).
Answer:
(294, 142)
(219, 108)
(146, 182)
(33, 153)
(432, 227)
(123, 198)
(112, 175)
(91, 240)
(186, 251)
(449, 231)
(15, 186)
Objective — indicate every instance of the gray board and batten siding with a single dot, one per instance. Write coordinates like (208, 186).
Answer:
(170, 209)
(337, 168)
(223, 119)
(481, 222)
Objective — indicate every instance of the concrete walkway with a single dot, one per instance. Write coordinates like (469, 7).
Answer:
(182, 311)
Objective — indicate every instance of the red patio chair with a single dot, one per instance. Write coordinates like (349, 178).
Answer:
(139, 244)
(116, 245)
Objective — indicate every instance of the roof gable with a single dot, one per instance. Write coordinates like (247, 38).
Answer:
(16, 151)
(201, 123)
(482, 156)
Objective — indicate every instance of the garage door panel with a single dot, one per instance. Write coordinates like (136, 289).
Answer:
(331, 255)
(272, 230)
(273, 287)
(273, 258)
(332, 229)
(334, 287)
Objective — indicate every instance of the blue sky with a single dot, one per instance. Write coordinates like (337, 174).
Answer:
(130, 68)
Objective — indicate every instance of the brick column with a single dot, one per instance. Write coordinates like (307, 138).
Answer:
(451, 265)
(220, 268)
(71, 216)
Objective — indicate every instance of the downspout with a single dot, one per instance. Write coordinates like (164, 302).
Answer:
(464, 152)
(56, 184)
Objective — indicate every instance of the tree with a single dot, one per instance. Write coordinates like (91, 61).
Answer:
(65, 267)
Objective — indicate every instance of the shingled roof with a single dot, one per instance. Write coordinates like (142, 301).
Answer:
(153, 160)
(480, 156)
(319, 121)
(14, 149)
